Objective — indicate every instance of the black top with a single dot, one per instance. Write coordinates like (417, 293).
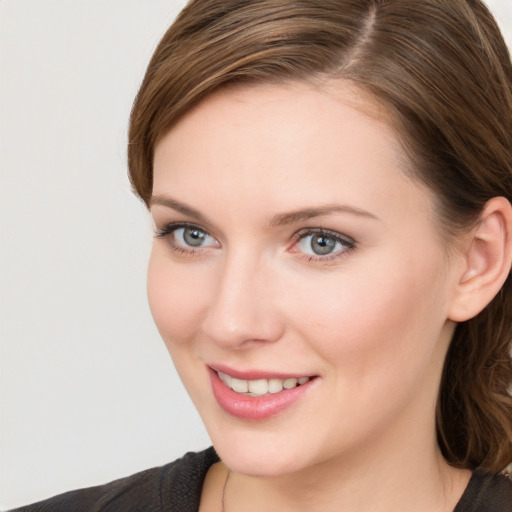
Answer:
(486, 493)
(176, 487)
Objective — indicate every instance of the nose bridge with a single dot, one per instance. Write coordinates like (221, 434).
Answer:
(240, 309)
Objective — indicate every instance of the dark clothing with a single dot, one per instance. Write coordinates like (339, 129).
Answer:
(486, 493)
(176, 487)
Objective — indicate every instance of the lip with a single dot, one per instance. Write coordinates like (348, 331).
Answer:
(255, 408)
(254, 374)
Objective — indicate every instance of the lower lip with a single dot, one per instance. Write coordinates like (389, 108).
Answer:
(255, 408)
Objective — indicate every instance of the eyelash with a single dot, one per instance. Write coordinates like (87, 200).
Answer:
(348, 243)
(169, 229)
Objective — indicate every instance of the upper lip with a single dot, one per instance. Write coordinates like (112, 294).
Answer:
(255, 374)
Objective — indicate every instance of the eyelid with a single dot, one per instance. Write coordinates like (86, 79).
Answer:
(348, 242)
(168, 229)
(302, 233)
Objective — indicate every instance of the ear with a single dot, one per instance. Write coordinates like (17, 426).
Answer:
(487, 260)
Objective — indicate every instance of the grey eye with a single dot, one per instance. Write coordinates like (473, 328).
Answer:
(322, 244)
(193, 237)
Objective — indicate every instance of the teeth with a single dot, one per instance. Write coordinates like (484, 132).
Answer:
(289, 383)
(258, 387)
(240, 386)
(275, 385)
(225, 378)
(261, 387)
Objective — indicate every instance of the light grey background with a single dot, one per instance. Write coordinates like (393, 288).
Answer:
(87, 390)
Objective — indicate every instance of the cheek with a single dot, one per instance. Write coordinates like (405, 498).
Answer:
(375, 321)
(176, 299)
(380, 340)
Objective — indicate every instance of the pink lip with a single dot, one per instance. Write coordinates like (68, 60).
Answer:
(255, 408)
(254, 374)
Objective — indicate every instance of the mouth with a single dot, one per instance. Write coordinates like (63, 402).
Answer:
(261, 387)
(260, 395)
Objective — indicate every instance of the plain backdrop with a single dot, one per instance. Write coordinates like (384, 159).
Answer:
(87, 390)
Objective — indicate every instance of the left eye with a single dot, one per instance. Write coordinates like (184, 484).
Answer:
(193, 237)
(323, 244)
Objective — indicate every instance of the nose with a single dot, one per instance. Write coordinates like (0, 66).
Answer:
(242, 310)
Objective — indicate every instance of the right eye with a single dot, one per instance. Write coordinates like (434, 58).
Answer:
(187, 238)
(193, 237)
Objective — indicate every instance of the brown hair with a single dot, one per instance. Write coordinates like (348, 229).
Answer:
(443, 72)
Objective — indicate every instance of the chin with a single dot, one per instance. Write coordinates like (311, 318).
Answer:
(260, 464)
(261, 451)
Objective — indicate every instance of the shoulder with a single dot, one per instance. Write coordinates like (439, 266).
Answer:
(175, 486)
(486, 492)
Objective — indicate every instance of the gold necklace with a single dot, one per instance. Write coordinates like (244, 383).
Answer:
(224, 490)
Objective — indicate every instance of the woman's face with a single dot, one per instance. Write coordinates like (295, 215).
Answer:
(294, 260)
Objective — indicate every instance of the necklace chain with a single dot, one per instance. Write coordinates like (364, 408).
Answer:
(224, 491)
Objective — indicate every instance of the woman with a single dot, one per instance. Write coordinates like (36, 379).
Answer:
(330, 183)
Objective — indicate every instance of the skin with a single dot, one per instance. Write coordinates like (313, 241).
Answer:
(371, 321)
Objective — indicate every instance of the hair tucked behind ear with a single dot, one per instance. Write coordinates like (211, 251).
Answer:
(443, 73)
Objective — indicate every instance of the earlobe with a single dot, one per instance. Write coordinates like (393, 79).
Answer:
(487, 260)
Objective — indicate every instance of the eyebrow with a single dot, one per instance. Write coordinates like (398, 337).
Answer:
(179, 207)
(280, 219)
(309, 213)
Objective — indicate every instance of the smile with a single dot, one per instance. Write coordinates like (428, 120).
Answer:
(261, 387)
(259, 396)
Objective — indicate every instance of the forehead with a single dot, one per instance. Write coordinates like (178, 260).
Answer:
(280, 116)
(285, 144)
